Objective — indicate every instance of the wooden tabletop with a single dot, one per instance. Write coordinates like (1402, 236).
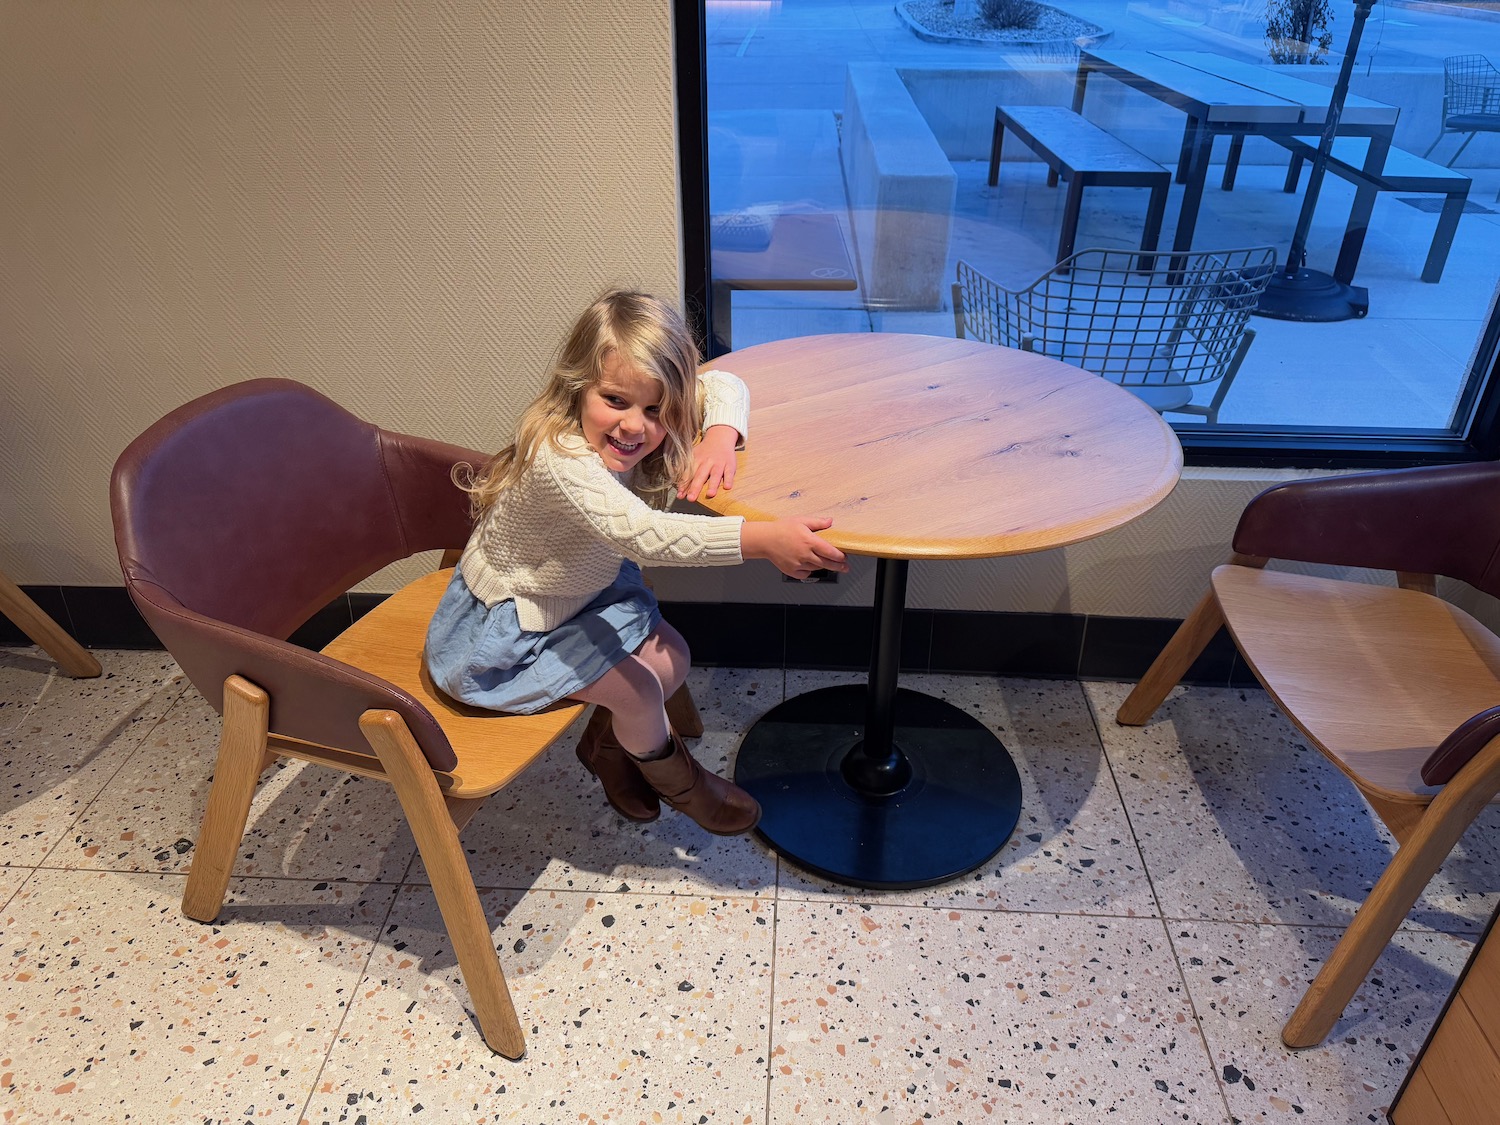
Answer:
(932, 447)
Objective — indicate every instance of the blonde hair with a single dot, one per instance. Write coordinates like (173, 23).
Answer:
(651, 337)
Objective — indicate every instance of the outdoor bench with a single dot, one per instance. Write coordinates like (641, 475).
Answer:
(1080, 152)
(901, 189)
(1403, 171)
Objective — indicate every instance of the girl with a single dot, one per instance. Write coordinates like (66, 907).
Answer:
(548, 602)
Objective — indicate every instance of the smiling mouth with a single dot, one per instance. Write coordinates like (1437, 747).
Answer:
(621, 447)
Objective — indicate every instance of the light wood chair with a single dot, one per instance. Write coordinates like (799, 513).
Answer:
(237, 517)
(1397, 687)
(47, 634)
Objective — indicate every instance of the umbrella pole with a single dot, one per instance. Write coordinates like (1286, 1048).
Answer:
(1296, 292)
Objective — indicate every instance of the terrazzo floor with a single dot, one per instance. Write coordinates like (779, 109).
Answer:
(1129, 956)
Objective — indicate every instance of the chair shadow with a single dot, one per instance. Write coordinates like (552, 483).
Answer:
(1306, 811)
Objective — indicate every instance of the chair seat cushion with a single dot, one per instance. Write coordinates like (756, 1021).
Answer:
(1476, 121)
(1162, 397)
(492, 748)
(1375, 676)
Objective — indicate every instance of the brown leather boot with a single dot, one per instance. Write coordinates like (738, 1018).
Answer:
(625, 789)
(720, 806)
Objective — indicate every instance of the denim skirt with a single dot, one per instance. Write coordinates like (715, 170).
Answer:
(482, 657)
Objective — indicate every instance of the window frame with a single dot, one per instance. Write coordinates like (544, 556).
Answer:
(1301, 448)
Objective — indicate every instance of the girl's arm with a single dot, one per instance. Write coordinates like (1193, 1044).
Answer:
(792, 545)
(724, 402)
(647, 536)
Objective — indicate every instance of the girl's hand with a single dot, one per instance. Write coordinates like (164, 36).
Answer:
(713, 464)
(792, 545)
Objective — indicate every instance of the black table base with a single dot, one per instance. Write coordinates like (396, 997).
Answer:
(943, 803)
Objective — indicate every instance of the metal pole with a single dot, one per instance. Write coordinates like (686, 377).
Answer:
(1296, 257)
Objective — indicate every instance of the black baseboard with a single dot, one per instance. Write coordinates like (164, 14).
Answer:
(752, 635)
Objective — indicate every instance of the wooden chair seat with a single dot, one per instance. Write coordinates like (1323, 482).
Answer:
(1375, 676)
(492, 749)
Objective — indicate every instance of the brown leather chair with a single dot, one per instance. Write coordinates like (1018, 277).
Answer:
(239, 515)
(1397, 687)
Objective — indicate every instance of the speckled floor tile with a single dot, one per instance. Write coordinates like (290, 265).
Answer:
(306, 821)
(1240, 820)
(71, 742)
(900, 1014)
(1072, 850)
(11, 879)
(552, 827)
(23, 674)
(118, 1008)
(636, 1008)
(1246, 979)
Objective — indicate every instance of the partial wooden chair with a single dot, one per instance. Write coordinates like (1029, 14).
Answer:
(45, 633)
(1397, 687)
(239, 515)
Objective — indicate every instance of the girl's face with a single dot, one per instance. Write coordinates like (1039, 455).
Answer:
(621, 415)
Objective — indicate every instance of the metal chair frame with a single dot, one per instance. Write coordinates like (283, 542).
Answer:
(1158, 325)
(1471, 100)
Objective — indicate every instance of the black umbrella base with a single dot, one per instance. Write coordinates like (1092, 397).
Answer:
(1313, 296)
(947, 815)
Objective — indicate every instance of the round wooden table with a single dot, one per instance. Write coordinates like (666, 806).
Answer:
(919, 447)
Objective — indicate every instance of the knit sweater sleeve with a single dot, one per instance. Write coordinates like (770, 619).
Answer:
(622, 519)
(724, 400)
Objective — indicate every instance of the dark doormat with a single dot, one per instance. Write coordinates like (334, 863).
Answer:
(1432, 204)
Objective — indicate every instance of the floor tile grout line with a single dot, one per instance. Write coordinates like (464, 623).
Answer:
(771, 993)
(354, 998)
(1213, 1063)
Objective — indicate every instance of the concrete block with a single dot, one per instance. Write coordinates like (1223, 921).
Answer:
(901, 191)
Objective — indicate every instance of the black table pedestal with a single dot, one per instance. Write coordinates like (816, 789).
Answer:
(878, 786)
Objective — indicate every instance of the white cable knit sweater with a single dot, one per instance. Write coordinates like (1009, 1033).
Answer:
(555, 539)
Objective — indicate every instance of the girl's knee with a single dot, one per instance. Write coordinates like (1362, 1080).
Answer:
(667, 654)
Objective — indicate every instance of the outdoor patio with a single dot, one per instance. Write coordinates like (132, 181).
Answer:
(776, 80)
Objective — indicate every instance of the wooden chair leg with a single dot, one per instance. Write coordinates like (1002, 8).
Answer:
(682, 713)
(437, 840)
(1172, 663)
(29, 617)
(1392, 898)
(242, 756)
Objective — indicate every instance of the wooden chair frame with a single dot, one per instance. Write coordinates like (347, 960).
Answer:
(47, 634)
(1418, 523)
(365, 703)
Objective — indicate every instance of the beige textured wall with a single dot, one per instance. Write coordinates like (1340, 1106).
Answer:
(399, 202)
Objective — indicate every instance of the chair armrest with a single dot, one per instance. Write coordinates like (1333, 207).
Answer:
(1439, 519)
(314, 698)
(1454, 752)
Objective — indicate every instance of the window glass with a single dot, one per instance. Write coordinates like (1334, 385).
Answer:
(850, 147)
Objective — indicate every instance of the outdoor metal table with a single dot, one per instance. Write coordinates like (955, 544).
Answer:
(919, 447)
(1225, 97)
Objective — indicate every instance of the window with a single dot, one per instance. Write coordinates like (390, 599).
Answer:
(837, 158)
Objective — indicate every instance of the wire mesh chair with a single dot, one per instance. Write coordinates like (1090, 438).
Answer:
(1471, 100)
(1160, 332)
